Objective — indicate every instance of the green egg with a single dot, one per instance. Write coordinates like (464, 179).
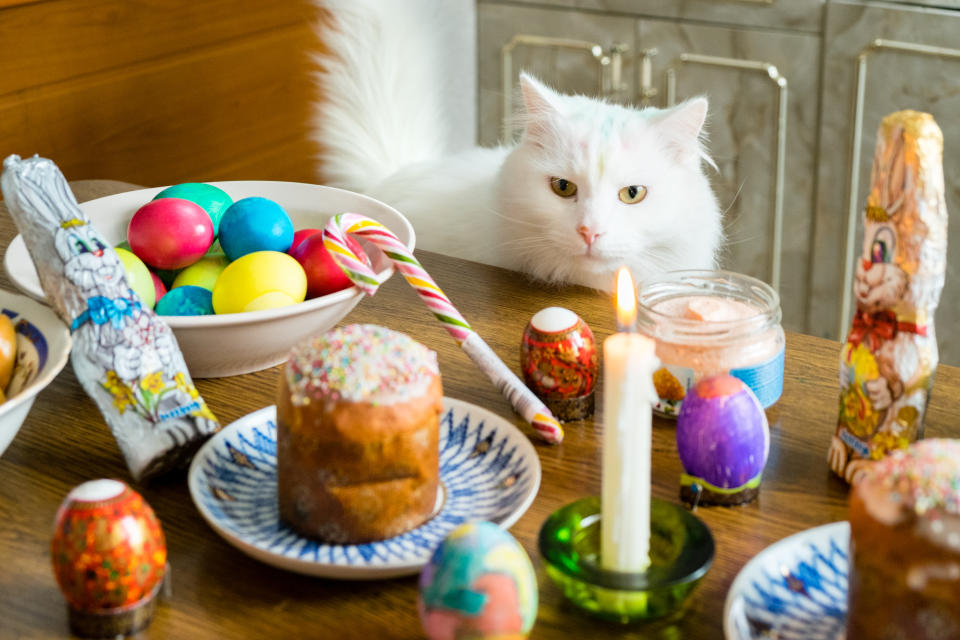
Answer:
(202, 273)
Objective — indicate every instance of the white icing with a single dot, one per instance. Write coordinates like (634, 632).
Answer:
(553, 320)
(97, 490)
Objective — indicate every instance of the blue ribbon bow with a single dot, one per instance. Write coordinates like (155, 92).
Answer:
(101, 310)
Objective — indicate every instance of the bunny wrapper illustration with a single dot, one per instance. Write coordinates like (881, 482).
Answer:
(890, 355)
(126, 358)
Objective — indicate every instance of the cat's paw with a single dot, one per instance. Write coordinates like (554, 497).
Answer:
(837, 456)
(879, 393)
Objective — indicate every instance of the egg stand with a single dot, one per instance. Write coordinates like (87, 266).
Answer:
(520, 397)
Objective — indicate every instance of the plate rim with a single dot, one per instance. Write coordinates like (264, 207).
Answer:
(339, 571)
(841, 527)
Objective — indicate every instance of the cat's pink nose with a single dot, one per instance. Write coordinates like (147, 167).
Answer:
(589, 235)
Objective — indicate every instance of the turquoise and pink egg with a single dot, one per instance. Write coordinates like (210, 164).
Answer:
(255, 224)
(170, 233)
(186, 301)
(214, 200)
(478, 584)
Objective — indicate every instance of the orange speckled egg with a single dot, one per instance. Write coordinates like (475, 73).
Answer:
(108, 549)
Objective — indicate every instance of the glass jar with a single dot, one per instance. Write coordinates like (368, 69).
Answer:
(711, 322)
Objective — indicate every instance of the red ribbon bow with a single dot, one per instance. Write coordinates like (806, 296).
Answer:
(878, 327)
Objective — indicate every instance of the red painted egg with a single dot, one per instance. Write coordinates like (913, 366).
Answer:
(108, 549)
(299, 236)
(558, 356)
(170, 233)
(158, 286)
(324, 275)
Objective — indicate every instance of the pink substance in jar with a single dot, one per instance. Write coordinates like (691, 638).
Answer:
(711, 322)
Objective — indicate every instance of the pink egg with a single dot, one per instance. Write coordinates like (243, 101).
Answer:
(170, 233)
(300, 236)
(324, 275)
(158, 285)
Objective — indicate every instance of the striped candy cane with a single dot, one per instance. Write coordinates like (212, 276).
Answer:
(520, 397)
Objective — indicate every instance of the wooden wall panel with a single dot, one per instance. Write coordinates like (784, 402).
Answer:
(161, 91)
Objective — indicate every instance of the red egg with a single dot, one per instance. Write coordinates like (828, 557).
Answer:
(323, 274)
(158, 285)
(300, 236)
(170, 233)
(108, 550)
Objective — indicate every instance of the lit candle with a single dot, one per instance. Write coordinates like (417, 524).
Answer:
(629, 361)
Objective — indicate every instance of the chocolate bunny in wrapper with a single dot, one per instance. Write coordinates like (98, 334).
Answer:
(126, 358)
(889, 358)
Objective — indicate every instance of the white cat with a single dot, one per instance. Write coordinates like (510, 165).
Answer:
(590, 186)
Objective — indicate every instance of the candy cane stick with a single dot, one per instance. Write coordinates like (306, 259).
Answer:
(335, 240)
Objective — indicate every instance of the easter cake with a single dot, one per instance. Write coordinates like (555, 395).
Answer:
(358, 413)
(905, 545)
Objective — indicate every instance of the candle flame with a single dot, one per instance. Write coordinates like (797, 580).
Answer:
(626, 301)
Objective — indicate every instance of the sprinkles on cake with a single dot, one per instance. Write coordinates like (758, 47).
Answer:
(926, 475)
(360, 363)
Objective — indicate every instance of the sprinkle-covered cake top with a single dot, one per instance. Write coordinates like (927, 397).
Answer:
(924, 476)
(360, 363)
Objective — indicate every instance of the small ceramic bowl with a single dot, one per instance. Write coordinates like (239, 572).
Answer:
(681, 551)
(43, 346)
(224, 345)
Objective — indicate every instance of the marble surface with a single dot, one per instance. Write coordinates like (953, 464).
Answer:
(895, 81)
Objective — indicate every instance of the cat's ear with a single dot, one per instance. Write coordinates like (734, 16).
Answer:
(541, 105)
(682, 127)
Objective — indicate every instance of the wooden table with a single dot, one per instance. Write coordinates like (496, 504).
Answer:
(220, 593)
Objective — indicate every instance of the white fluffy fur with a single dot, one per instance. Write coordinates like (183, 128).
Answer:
(383, 132)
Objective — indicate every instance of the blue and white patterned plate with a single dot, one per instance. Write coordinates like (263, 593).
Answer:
(488, 468)
(795, 589)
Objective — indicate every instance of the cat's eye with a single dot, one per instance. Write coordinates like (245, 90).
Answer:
(563, 187)
(633, 194)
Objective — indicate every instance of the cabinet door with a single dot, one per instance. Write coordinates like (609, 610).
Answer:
(556, 46)
(763, 89)
(896, 74)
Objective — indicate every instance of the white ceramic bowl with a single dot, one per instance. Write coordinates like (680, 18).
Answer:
(43, 342)
(231, 344)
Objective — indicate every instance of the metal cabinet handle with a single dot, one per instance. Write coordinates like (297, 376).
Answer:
(609, 66)
(771, 71)
(647, 90)
(853, 182)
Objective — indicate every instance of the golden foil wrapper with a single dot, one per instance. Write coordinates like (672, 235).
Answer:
(890, 354)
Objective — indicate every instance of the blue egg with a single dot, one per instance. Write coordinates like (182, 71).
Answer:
(187, 300)
(255, 224)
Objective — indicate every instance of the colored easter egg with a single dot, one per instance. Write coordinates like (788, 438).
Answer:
(202, 273)
(108, 551)
(138, 277)
(170, 233)
(214, 200)
(723, 440)
(254, 224)
(158, 286)
(299, 236)
(558, 356)
(186, 301)
(479, 583)
(324, 275)
(259, 280)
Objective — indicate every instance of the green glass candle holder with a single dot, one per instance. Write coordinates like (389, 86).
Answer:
(681, 550)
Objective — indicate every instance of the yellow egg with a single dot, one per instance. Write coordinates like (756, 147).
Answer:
(259, 280)
(138, 277)
(202, 273)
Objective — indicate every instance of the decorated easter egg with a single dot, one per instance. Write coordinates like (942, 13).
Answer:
(138, 277)
(259, 280)
(558, 356)
(202, 273)
(254, 224)
(109, 554)
(170, 233)
(299, 236)
(159, 288)
(723, 440)
(479, 583)
(324, 275)
(186, 301)
(214, 200)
